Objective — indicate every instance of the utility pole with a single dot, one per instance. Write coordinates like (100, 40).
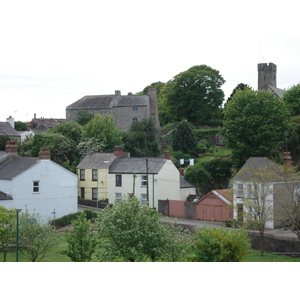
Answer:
(147, 179)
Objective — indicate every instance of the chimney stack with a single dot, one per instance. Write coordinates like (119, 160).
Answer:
(11, 147)
(44, 153)
(118, 151)
(117, 93)
(11, 121)
(167, 154)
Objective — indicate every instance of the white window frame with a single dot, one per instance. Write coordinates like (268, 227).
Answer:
(143, 199)
(94, 174)
(82, 174)
(118, 197)
(36, 186)
(94, 193)
(240, 190)
(143, 180)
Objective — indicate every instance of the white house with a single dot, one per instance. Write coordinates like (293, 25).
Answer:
(128, 175)
(261, 179)
(37, 185)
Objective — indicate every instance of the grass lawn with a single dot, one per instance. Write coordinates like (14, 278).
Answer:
(55, 255)
(215, 154)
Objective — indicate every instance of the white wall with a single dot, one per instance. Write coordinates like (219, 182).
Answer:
(57, 190)
(165, 185)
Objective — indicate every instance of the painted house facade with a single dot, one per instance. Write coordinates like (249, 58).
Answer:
(115, 175)
(261, 179)
(36, 184)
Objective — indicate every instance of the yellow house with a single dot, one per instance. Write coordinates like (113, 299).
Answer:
(92, 174)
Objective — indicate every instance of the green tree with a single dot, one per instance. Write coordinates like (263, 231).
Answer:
(103, 128)
(220, 172)
(220, 245)
(240, 86)
(3, 140)
(7, 230)
(141, 139)
(133, 232)
(184, 139)
(292, 98)
(255, 123)
(199, 176)
(81, 240)
(21, 126)
(37, 238)
(195, 94)
(83, 117)
(59, 145)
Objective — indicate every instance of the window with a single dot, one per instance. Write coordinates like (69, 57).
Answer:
(135, 108)
(134, 120)
(240, 190)
(94, 175)
(143, 199)
(249, 190)
(297, 194)
(82, 193)
(144, 180)
(118, 180)
(118, 198)
(94, 193)
(36, 187)
(82, 174)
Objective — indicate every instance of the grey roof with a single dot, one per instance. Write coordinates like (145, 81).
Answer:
(4, 196)
(108, 101)
(256, 167)
(184, 183)
(131, 165)
(7, 129)
(15, 166)
(278, 92)
(97, 161)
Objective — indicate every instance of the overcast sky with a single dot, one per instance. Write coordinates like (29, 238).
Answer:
(55, 52)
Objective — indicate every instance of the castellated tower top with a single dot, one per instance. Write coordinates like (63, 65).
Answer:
(266, 75)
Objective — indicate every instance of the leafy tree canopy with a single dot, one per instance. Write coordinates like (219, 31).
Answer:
(103, 128)
(195, 94)
(184, 138)
(255, 123)
(292, 99)
(141, 139)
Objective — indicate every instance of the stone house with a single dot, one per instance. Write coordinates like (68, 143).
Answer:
(126, 109)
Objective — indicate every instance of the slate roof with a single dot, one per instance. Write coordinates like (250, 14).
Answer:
(256, 166)
(108, 101)
(15, 166)
(7, 129)
(278, 92)
(184, 183)
(4, 196)
(131, 165)
(97, 161)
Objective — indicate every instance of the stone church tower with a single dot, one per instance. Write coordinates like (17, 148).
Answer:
(266, 75)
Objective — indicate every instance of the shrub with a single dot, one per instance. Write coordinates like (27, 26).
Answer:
(67, 219)
(220, 245)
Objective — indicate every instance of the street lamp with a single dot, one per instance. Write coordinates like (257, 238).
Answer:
(17, 235)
